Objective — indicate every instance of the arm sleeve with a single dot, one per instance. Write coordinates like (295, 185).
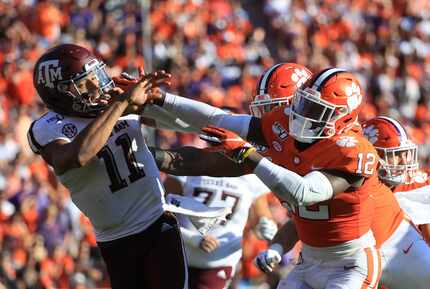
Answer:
(201, 114)
(256, 186)
(293, 188)
(166, 120)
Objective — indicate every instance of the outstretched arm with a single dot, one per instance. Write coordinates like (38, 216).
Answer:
(290, 187)
(158, 117)
(191, 161)
(200, 114)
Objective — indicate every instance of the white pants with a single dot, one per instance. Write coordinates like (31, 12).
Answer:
(405, 259)
(358, 271)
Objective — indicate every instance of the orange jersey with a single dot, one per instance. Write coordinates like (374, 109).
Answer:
(348, 215)
(388, 214)
(275, 129)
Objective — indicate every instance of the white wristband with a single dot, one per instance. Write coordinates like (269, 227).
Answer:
(191, 238)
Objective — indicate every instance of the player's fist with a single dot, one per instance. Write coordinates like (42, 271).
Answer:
(209, 243)
(267, 261)
(227, 142)
(266, 229)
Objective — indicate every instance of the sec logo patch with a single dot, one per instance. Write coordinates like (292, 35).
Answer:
(69, 130)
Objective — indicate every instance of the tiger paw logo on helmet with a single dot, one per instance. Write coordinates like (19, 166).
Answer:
(300, 76)
(371, 133)
(354, 96)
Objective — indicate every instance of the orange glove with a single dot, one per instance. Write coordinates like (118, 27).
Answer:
(157, 78)
(227, 142)
(126, 81)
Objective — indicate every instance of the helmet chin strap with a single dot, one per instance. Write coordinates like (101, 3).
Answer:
(304, 140)
(393, 181)
(298, 126)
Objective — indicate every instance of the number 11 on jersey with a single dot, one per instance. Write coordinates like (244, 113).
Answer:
(136, 172)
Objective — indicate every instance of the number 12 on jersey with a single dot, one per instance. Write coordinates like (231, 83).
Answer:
(365, 163)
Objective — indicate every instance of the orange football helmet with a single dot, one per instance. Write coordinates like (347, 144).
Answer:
(398, 154)
(326, 105)
(277, 87)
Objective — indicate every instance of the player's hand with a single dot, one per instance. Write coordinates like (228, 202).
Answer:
(266, 229)
(157, 78)
(125, 81)
(209, 243)
(267, 261)
(139, 93)
(227, 142)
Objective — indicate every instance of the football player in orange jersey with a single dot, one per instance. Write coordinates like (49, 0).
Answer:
(328, 172)
(405, 255)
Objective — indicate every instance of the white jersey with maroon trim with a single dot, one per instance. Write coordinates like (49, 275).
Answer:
(237, 193)
(119, 189)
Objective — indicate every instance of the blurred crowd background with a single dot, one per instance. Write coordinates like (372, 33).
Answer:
(215, 50)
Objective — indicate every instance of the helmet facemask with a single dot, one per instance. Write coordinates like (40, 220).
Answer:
(398, 165)
(89, 89)
(263, 104)
(313, 118)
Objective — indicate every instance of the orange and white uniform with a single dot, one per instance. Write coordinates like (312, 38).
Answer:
(274, 125)
(405, 255)
(387, 216)
(336, 233)
(348, 152)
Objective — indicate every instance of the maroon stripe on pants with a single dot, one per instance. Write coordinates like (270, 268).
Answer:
(211, 278)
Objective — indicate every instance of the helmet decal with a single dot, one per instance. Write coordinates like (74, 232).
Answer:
(354, 96)
(371, 133)
(300, 76)
(49, 71)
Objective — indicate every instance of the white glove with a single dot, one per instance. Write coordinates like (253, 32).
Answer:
(266, 229)
(267, 261)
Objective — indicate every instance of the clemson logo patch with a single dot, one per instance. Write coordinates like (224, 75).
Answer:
(347, 141)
